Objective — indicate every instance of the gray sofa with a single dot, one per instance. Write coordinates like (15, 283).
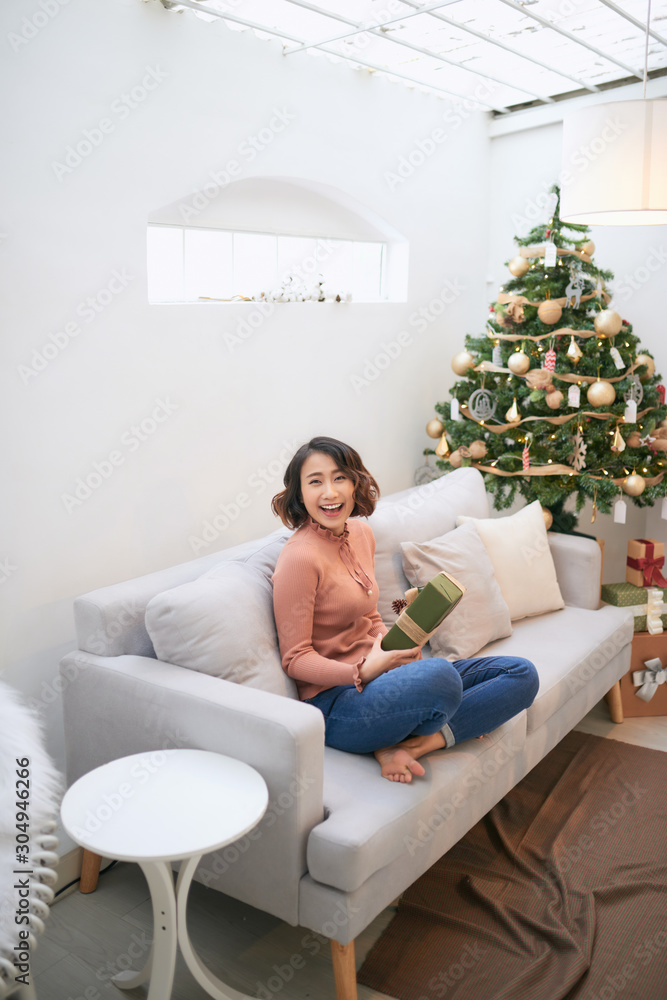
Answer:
(338, 843)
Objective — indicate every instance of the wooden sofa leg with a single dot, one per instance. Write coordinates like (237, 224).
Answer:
(345, 973)
(614, 703)
(90, 870)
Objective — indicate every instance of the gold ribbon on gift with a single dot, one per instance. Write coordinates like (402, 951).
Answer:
(650, 678)
(412, 629)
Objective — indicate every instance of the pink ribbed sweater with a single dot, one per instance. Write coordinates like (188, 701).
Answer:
(325, 604)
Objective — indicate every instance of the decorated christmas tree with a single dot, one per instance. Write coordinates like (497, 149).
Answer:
(557, 399)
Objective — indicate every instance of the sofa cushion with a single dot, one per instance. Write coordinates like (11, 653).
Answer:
(522, 560)
(567, 647)
(222, 624)
(417, 515)
(370, 821)
(482, 614)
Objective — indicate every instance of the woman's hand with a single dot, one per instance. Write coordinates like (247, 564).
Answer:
(379, 660)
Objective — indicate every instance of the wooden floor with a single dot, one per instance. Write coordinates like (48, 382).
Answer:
(90, 938)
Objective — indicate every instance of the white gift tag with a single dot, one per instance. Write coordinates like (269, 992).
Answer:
(630, 415)
(454, 410)
(497, 355)
(618, 360)
(620, 510)
(550, 254)
(574, 396)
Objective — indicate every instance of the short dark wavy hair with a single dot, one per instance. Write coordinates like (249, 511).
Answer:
(288, 504)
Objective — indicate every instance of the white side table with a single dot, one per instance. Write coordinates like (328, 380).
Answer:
(159, 807)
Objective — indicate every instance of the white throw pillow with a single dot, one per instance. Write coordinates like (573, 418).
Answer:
(221, 624)
(481, 615)
(522, 560)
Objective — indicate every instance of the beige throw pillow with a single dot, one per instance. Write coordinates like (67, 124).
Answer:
(522, 560)
(481, 615)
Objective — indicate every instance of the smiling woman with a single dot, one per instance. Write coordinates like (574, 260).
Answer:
(330, 631)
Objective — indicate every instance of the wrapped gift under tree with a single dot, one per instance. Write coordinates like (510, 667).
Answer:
(640, 600)
(645, 563)
(644, 687)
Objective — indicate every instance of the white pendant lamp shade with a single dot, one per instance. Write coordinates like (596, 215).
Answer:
(614, 169)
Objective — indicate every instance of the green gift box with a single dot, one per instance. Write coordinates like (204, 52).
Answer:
(425, 613)
(627, 595)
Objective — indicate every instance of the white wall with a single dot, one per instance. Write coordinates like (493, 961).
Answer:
(224, 416)
(524, 165)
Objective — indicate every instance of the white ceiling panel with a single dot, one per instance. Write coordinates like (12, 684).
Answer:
(507, 54)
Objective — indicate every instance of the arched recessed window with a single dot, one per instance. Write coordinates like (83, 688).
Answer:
(273, 239)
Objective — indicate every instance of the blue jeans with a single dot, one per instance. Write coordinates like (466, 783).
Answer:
(462, 699)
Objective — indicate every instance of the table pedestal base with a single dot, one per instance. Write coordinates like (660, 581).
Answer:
(170, 930)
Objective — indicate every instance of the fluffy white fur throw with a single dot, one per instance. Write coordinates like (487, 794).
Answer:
(21, 736)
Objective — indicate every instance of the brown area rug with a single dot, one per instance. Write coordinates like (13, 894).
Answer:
(559, 892)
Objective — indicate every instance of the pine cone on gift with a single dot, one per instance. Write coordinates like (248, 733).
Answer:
(399, 605)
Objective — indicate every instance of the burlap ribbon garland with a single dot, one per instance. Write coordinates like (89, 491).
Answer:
(504, 298)
(488, 366)
(563, 331)
(560, 252)
(560, 470)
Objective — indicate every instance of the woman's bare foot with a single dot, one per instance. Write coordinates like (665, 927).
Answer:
(399, 763)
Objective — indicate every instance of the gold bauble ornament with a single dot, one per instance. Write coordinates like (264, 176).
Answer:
(442, 447)
(589, 248)
(519, 266)
(607, 323)
(462, 361)
(634, 485)
(646, 359)
(477, 449)
(601, 393)
(456, 459)
(554, 399)
(538, 378)
(518, 363)
(548, 517)
(434, 428)
(549, 312)
(634, 440)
